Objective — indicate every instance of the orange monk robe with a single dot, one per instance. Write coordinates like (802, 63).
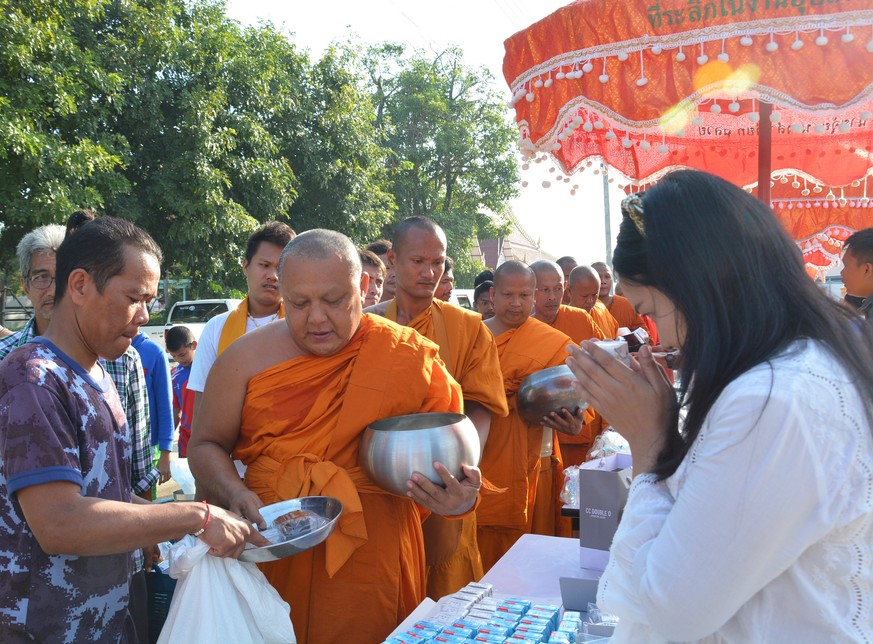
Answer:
(654, 336)
(623, 312)
(513, 461)
(301, 427)
(604, 319)
(468, 350)
(577, 324)
(235, 324)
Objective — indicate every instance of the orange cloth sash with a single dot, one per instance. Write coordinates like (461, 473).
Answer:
(625, 315)
(235, 324)
(577, 323)
(604, 319)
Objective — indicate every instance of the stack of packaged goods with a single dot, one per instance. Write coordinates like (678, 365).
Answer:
(474, 615)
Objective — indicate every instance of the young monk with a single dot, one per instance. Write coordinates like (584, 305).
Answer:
(467, 347)
(620, 307)
(521, 461)
(584, 290)
(292, 400)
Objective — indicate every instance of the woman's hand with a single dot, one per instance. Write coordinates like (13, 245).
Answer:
(638, 401)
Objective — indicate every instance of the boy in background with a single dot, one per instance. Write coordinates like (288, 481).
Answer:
(182, 345)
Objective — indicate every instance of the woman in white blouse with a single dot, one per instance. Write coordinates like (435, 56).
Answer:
(753, 522)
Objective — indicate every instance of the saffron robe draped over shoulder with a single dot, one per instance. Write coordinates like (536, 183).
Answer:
(513, 461)
(235, 324)
(625, 315)
(467, 347)
(300, 431)
(577, 324)
(604, 319)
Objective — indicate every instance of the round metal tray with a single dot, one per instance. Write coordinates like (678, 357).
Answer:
(324, 506)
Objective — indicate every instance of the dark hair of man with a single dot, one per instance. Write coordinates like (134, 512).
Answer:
(78, 219)
(380, 246)
(369, 258)
(420, 223)
(738, 280)
(179, 337)
(274, 232)
(449, 265)
(483, 287)
(485, 276)
(860, 244)
(98, 248)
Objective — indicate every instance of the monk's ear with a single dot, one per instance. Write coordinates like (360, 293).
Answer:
(391, 256)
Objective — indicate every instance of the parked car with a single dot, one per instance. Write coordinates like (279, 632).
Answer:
(194, 314)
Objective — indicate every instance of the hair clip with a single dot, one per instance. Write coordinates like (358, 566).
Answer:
(632, 207)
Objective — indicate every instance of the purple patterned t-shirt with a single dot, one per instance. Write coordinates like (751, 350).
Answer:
(58, 424)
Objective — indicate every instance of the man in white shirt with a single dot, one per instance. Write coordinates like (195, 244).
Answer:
(262, 305)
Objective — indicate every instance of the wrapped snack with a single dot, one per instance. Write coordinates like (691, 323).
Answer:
(292, 525)
(607, 443)
(570, 491)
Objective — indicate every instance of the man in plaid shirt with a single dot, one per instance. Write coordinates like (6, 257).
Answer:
(36, 255)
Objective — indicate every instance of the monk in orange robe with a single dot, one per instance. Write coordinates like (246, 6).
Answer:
(620, 307)
(567, 264)
(579, 326)
(467, 347)
(515, 462)
(584, 290)
(292, 400)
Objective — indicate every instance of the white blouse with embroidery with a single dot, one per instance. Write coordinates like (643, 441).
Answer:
(765, 531)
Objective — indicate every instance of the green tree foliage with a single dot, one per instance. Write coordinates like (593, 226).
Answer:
(168, 113)
(450, 143)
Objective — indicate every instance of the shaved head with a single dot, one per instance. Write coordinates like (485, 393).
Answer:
(584, 287)
(549, 290)
(605, 280)
(323, 244)
(544, 267)
(566, 261)
(513, 268)
(405, 227)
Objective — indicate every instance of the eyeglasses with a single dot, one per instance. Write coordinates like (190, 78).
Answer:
(41, 280)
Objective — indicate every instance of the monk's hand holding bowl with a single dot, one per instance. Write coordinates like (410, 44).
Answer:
(565, 421)
(458, 497)
(247, 504)
(638, 401)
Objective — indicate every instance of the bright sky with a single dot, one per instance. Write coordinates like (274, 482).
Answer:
(565, 224)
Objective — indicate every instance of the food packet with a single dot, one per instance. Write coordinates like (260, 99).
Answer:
(607, 443)
(292, 525)
(570, 491)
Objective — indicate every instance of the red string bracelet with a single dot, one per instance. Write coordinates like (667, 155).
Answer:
(205, 523)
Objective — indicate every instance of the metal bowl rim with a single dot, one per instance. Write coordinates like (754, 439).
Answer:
(427, 420)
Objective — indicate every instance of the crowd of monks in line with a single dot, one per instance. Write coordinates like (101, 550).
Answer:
(297, 422)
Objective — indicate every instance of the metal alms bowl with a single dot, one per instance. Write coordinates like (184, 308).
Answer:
(546, 391)
(393, 448)
(326, 507)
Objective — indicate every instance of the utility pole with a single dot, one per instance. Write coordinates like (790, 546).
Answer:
(608, 224)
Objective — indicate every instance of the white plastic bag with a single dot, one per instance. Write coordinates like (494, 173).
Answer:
(222, 600)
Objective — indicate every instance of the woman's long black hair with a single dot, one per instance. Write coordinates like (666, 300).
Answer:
(738, 280)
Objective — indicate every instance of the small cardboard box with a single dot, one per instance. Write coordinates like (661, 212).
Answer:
(603, 488)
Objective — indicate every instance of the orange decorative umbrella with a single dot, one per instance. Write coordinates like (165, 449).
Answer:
(648, 85)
